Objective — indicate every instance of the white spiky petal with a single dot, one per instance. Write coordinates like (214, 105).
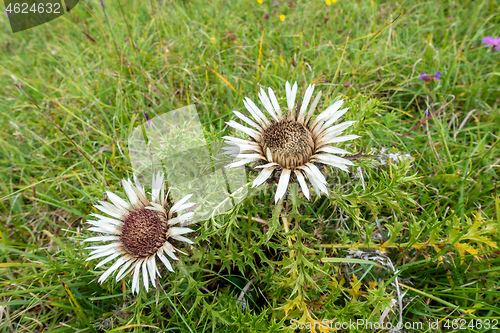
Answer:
(110, 227)
(321, 129)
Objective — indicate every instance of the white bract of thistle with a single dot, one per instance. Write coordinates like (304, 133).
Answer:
(291, 143)
(140, 231)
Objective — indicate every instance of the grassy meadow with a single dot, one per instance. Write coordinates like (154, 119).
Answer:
(410, 241)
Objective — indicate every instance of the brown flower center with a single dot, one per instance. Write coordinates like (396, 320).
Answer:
(143, 232)
(290, 143)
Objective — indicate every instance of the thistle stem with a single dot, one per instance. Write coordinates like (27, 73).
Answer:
(286, 224)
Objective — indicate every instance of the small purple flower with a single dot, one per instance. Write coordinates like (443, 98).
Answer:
(427, 114)
(429, 77)
(149, 123)
(494, 42)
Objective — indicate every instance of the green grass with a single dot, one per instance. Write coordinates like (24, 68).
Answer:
(94, 72)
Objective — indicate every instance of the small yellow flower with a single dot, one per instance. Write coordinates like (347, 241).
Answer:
(260, 1)
(212, 39)
(282, 18)
(329, 2)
